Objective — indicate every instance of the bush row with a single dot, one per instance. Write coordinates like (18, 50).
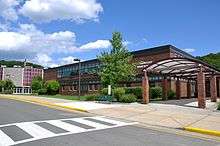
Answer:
(155, 93)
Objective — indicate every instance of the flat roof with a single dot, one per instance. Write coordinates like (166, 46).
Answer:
(157, 49)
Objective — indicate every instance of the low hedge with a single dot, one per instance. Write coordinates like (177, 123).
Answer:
(104, 91)
(155, 92)
(8, 91)
(91, 97)
(42, 91)
(171, 94)
(118, 92)
(137, 91)
(128, 98)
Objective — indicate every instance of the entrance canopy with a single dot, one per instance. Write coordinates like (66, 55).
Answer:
(186, 68)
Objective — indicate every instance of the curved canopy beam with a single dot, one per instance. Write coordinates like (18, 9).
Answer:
(179, 66)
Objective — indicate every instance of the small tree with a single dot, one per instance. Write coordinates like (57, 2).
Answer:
(117, 65)
(9, 85)
(37, 83)
(2, 84)
(52, 87)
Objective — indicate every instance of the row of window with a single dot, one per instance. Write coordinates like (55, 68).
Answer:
(74, 69)
(90, 87)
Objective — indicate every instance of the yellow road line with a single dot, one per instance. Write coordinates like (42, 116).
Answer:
(203, 131)
(44, 103)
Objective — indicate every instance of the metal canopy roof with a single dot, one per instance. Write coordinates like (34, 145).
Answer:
(181, 67)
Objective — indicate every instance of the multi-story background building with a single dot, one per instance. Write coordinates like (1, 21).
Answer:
(68, 77)
(21, 77)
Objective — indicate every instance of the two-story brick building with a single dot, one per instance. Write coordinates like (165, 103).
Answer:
(68, 77)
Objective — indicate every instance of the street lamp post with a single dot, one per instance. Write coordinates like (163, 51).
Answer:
(79, 85)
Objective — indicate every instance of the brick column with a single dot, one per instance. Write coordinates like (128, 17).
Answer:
(145, 86)
(189, 92)
(213, 89)
(178, 90)
(201, 89)
(165, 88)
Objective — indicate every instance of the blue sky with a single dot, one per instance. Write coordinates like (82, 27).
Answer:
(53, 32)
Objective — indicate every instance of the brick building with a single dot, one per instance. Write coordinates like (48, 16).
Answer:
(67, 75)
(21, 77)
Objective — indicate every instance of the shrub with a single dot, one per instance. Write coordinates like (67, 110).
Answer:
(155, 92)
(91, 97)
(171, 94)
(137, 91)
(219, 106)
(52, 87)
(118, 92)
(9, 91)
(128, 98)
(9, 85)
(104, 91)
(36, 84)
(42, 91)
(2, 84)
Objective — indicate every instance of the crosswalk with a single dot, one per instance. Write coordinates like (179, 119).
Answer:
(52, 128)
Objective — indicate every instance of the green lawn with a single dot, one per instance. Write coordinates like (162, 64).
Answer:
(68, 97)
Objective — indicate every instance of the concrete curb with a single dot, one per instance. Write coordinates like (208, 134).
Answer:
(203, 131)
(44, 103)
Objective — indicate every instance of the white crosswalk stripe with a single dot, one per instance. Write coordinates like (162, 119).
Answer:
(5, 139)
(90, 123)
(66, 126)
(37, 132)
(108, 120)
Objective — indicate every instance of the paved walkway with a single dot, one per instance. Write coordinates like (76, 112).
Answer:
(155, 114)
(171, 116)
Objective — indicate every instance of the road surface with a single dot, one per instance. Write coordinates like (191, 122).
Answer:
(27, 124)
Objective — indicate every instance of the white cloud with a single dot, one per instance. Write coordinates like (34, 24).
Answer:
(39, 47)
(189, 50)
(7, 9)
(29, 38)
(48, 10)
(43, 59)
(96, 45)
(13, 40)
(67, 60)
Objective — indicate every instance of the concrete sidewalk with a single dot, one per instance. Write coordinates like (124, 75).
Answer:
(154, 114)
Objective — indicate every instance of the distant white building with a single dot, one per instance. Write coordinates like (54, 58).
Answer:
(21, 77)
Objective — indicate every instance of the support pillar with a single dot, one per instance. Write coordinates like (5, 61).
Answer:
(189, 90)
(145, 86)
(201, 89)
(213, 89)
(178, 89)
(165, 88)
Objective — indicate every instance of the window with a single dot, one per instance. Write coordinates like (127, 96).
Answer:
(96, 87)
(90, 87)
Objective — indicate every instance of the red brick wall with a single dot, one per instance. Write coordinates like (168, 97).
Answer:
(50, 74)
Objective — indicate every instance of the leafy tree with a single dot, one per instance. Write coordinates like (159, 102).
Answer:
(52, 87)
(11, 63)
(213, 59)
(117, 65)
(37, 83)
(9, 85)
(2, 84)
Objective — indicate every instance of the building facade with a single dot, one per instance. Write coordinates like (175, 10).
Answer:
(68, 77)
(21, 77)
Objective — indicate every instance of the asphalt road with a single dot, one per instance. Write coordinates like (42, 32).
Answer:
(33, 125)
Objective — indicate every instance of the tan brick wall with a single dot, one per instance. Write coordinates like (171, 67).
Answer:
(183, 88)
